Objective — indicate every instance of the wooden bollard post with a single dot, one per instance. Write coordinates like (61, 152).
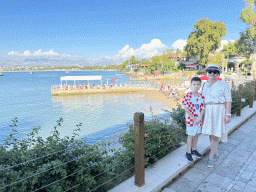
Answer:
(251, 99)
(239, 72)
(253, 74)
(139, 148)
(239, 102)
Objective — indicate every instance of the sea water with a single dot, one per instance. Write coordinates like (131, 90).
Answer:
(28, 97)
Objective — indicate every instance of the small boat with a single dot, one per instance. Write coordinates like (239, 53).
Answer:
(1, 74)
(31, 72)
(67, 71)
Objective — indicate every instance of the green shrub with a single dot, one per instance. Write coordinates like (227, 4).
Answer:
(175, 68)
(85, 166)
(160, 139)
(246, 95)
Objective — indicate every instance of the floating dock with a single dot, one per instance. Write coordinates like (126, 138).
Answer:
(63, 89)
(119, 90)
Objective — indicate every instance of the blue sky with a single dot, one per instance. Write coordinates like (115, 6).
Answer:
(106, 31)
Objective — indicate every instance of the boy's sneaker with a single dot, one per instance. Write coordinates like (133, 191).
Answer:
(216, 155)
(189, 157)
(210, 163)
(196, 153)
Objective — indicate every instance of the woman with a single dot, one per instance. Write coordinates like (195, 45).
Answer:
(217, 110)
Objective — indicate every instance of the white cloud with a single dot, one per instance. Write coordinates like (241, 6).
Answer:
(40, 58)
(40, 54)
(13, 53)
(146, 51)
(180, 43)
(27, 53)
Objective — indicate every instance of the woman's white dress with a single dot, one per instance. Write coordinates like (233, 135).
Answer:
(215, 114)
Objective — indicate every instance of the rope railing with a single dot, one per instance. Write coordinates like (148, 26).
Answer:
(154, 147)
(136, 151)
(66, 150)
(105, 159)
(160, 151)
(75, 173)
(112, 179)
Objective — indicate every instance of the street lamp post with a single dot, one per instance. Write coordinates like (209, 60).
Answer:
(253, 61)
(223, 63)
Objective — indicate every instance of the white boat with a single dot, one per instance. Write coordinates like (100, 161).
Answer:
(31, 72)
(1, 74)
(67, 71)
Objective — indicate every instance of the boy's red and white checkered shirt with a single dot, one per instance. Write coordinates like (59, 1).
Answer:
(195, 104)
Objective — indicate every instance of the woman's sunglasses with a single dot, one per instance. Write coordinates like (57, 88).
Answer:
(213, 71)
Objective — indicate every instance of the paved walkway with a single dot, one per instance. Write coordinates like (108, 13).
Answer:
(234, 171)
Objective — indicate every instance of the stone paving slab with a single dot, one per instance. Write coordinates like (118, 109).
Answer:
(235, 169)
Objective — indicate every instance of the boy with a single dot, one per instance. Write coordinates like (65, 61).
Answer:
(194, 107)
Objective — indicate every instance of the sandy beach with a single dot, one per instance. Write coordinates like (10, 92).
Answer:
(157, 96)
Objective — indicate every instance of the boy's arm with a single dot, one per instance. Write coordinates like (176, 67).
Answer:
(188, 112)
(201, 114)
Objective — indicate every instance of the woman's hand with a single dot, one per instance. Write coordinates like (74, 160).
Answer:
(227, 119)
(197, 120)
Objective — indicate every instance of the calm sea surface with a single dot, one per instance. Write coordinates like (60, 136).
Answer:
(28, 97)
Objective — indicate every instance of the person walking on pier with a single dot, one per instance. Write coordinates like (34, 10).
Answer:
(217, 110)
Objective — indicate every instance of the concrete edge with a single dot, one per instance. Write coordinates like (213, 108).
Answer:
(159, 182)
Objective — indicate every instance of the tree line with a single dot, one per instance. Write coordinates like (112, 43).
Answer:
(203, 42)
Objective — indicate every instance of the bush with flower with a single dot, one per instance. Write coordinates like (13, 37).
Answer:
(57, 164)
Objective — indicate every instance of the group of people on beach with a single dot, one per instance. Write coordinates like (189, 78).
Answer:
(99, 86)
(207, 113)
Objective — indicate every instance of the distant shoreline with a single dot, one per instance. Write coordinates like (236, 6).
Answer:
(52, 70)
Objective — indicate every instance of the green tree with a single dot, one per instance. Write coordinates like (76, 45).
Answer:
(178, 51)
(229, 49)
(122, 66)
(205, 39)
(247, 41)
(184, 53)
(167, 53)
(133, 60)
(144, 62)
(231, 64)
(215, 59)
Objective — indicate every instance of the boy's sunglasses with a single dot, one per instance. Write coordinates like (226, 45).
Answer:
(213, 71)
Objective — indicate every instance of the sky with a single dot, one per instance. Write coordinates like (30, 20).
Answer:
(63, 32)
